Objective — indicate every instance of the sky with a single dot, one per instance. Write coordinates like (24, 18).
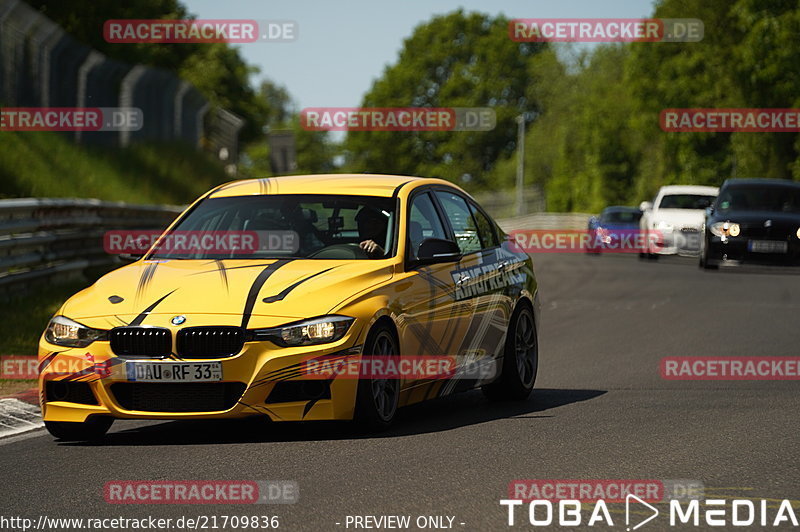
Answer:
(343, 46)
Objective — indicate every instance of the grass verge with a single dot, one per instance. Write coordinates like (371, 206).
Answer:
(47, 164)
(25, 317)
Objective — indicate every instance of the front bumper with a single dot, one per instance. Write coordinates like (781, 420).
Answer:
(684, 242)
(734, 251)
(95, 375)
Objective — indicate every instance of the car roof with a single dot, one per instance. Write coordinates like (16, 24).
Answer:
(688, 189)
(346, 184)
(621, 208)
(764, 181)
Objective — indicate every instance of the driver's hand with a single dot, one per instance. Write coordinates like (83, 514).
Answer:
(371, 247)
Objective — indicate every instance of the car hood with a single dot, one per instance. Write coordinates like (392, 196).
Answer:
(280, 288)
(620, 226)
(679, 217)
(757, 217)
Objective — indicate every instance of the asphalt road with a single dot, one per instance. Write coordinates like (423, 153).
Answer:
(600, 411)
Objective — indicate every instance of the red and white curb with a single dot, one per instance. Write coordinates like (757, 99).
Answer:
(18, 416)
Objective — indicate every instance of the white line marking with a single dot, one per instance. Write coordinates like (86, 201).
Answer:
(11, 424)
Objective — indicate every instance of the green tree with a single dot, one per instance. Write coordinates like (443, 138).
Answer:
(455, 60)
(219, 72)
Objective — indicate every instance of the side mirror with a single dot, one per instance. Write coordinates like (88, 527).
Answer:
(710, 210)
(437, 250)
(645, 206)
(593, 222)
(130, 257)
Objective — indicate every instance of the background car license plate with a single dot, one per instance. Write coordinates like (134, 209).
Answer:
(173, 371)
(767, 246)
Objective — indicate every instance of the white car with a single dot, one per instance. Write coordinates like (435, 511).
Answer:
(673, 222)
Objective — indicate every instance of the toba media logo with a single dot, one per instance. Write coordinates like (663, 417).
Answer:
(581, 503)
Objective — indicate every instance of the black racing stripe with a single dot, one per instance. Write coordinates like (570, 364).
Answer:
(265, 185)
(145, 278)
(261, 409)
(256, 288)
(285, 291)
(140, 318)
(78, 374)
(222, 274)
(298, 369)
(46, 362)
(259, 265)
(289, 372)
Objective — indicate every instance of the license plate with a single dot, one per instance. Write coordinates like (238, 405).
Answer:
(173, 371)
(767, 246)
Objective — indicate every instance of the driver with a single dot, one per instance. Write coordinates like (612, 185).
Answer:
(372, 226)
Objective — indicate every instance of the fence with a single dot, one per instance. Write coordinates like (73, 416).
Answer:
(43, 66)
(503, 203)
(546, 220)
(41, 239)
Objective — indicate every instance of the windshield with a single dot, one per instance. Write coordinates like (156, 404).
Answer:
(283, 226)
(620, 217)
(760, 198)
(685, 201)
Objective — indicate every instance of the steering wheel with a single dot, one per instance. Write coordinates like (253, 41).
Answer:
(340, 251)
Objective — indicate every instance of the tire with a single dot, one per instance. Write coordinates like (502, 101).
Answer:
(646, 254)
(520, 360)
(377, 399)
(92, 429)
(704, 264)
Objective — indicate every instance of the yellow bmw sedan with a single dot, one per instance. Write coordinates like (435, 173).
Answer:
(320, 297)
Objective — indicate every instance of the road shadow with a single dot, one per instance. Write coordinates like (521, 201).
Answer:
(452, 412)
(754, 269)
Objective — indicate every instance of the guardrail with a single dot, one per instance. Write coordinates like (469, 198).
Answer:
(43, 238)
(546, 220)
(47, 238)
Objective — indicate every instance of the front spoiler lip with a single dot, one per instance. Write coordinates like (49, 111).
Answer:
(741, 256)
(258, 369)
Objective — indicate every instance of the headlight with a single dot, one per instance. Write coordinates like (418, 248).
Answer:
(725, 229)
(664, 226)
(798, 232)
(68, 333)
(322, 330)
